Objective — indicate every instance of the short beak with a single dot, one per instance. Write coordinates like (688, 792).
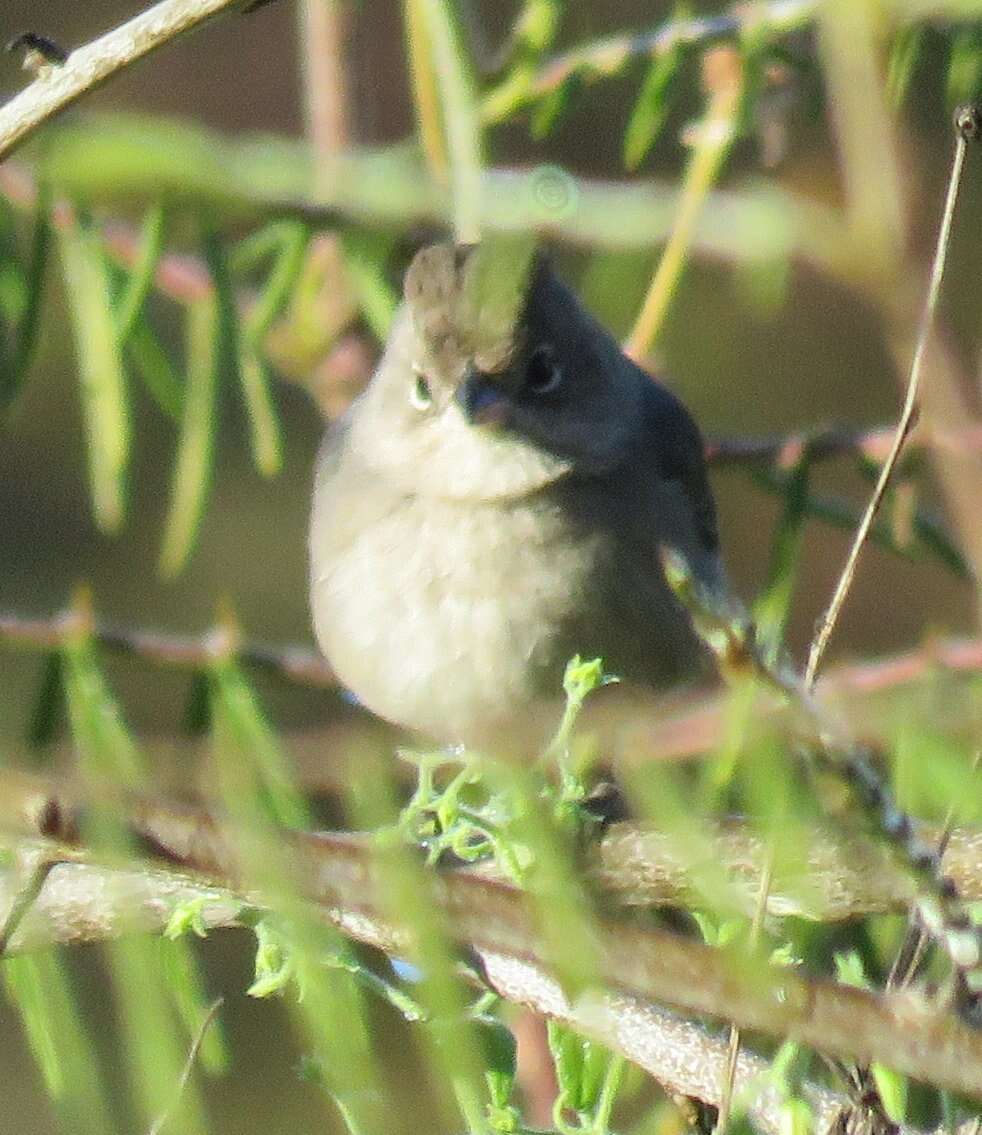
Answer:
(483, 404)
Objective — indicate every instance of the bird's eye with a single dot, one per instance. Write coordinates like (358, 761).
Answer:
(543, 372)
(420, 395)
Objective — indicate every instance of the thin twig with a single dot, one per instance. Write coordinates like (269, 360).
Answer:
(326, 28)
(687, 733)
(296, 663)
(829, 619)
(92, 65)
(158, 1124)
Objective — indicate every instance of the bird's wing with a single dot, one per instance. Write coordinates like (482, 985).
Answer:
(672, 443)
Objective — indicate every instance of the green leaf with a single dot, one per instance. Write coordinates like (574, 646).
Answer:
(364, 255)
(460, 118)
(183, 978)
(264, 425)
(195, 452)
(651, 108)
(130, 305)
(904, 55)
(12, 372)
(48, 704)
(153, 365)
(893, 1089)
(241, 713)
(39, 988)
(280, 283)
(552, 106)
(965, 67)
(102, 379)
(252, 370)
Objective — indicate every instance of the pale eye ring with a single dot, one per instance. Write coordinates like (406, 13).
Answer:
(420, 395)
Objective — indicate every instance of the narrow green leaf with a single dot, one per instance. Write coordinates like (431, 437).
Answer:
(904, 55)
(48, 705)
(102, 377)
(263, 242)
(254, 374)
(651, 108)
(238, 346)
(243, 716)
(179, 967)
(536, 25)
(553, 106)
(364, 254)
(154, 367)
(264, 425)
(280, 284)
(195, 451)
(461, 120)
(105, 748)
(147, 1002)
(196, 718)
(39, 988)
(130, 305)
(26, 334)
(297, 936)
(965, 66)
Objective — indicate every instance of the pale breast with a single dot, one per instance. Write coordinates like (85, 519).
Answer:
(447, 619)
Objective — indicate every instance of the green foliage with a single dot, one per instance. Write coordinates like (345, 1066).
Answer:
(246, 220)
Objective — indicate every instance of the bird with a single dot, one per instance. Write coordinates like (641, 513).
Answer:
(495, 502)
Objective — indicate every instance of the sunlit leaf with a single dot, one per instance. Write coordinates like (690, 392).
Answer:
(264, 425)
(904, 55)
(460, 118)
(193, 466)
(102, 377)
(140, 281)
(145, 998)
(234, 699)
(651, 108)
(184, 979)
(552, 106)
(965, 66)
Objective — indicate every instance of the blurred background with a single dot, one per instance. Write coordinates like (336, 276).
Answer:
(751, 355)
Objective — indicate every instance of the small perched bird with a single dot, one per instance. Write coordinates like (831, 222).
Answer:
(495, 502)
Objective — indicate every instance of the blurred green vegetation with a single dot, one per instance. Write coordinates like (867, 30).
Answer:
(159, 445)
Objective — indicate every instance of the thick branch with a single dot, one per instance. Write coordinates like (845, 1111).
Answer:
(84, 902)
(645, 965)
(60, 85)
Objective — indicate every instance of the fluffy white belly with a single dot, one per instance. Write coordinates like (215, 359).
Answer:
(445, 619)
